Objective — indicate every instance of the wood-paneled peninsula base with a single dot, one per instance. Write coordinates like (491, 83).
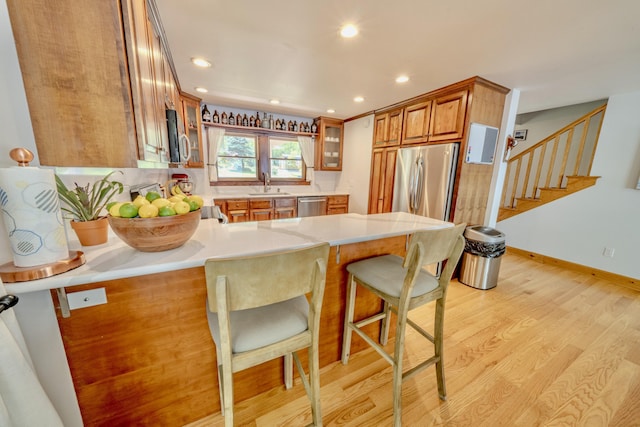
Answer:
(147, 357)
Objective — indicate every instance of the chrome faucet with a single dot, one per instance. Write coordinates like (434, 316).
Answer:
(267, 182)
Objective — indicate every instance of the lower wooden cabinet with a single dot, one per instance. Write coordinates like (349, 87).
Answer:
(237, 210)
(260, 209)
(383, 165)
(337, 205)
(265, 208)
(286, 208)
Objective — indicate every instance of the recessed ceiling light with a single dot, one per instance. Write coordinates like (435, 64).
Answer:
(331, 111)
(402, 79)
(349, 31)
(201, 90)
(201, 62)
(358, 99)
(274, 101)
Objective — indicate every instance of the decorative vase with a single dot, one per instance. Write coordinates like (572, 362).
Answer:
(91, 233)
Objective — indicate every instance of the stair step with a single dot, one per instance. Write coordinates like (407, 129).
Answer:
(547, 194)
(504, 213)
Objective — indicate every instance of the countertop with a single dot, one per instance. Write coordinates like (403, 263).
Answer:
(116, 260)
(276, 194)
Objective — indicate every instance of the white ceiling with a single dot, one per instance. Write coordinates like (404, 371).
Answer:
(557, 52)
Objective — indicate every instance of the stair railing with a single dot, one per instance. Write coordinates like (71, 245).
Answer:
(547, 163)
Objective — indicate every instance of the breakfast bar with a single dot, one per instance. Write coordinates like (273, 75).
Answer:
(146, 355)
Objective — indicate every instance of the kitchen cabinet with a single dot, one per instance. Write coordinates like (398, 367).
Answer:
(337, 204)
(193, 130)
(435, 119)
(146, 74)
(97, 95)
(383, 165)
(285, 208)
(415, 128)
(388, 128)
(447, 117)
(260, 209)
(265, 208)
(328, 153)
(237, 210)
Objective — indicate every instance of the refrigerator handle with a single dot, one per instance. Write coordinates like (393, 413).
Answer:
(419, 184)
(413, 186)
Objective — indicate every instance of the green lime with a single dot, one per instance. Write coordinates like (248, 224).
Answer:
(128, 210)
(193, 205)
(166, 211)
(152, 195)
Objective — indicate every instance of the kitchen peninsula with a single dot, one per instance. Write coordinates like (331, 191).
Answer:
(146, 356)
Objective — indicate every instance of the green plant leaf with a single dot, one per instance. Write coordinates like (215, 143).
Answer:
(86, 203)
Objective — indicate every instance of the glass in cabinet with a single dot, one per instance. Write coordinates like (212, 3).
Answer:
(191, 113)
(329, 145)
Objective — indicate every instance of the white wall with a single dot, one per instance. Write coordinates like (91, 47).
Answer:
(577, 228)
(15, 121)
(541, 124)
(356, 163)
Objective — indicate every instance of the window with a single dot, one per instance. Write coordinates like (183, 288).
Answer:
(243, 158)
(237, 157)
(285, 159)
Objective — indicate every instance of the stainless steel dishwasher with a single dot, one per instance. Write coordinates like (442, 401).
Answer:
(312, 206)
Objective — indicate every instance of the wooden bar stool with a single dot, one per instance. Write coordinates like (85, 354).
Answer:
(404, 285)
(258, 311)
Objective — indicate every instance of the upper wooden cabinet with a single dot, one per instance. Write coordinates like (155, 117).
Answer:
(435, 119)
(97, 79)
(388, 128)
(447, 117)
(147, 79)
(193, 130)
(328, 155)
(415, 128)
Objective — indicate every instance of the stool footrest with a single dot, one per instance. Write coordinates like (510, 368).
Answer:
(411, 372)
(377, 347)
(365, 322)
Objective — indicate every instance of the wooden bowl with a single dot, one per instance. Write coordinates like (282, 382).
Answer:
(156, 234)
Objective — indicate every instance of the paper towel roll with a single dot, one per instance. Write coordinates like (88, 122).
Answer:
(31, 213)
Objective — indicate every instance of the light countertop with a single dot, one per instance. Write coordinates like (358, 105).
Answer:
(116, 260)
(276, 194)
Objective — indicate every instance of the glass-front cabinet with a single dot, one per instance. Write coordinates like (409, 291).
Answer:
(191, 114)
(328, 156)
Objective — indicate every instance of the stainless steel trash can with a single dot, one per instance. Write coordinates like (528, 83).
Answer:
(483, 250)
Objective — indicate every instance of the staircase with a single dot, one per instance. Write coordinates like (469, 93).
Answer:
(553, 168)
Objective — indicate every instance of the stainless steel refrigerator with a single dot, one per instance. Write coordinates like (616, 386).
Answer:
(424, 180)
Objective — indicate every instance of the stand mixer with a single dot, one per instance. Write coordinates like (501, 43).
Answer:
(183, 181)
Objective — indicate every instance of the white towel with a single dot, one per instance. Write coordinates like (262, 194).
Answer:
(23, 401)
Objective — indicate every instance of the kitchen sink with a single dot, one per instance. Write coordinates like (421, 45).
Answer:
(269, 194)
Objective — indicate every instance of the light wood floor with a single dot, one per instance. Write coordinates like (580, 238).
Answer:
(546, 347)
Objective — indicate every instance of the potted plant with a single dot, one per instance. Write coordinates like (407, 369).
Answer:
(83, 205)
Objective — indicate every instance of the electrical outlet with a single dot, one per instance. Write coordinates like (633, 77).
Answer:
(88, 298)
(608, 252)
